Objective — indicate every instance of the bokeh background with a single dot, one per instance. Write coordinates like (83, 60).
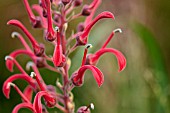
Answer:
(143, 87)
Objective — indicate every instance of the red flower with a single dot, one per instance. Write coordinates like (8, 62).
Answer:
(51, 101)
(82, 39)
(38, 48)
(93, 58)
(58, 57)
(78, 76)
(6, 86)
(36, 22)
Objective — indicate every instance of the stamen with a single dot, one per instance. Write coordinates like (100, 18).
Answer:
(10, 84)
(32, 74)
(89, 46)
(29, 65)
(40, 83)
(85, 53)
(9, 57)
(18, 91)
(118, 30)
(90, 106)
(16, 34)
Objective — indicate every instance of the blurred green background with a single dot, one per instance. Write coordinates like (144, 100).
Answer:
(144, 85)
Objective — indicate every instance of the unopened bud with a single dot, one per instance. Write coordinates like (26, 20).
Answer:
(77, 2)
(86, 11)
(65, 2)
(57, 18)
(80, 27)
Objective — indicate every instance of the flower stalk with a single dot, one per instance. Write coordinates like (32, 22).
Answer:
(60, 18)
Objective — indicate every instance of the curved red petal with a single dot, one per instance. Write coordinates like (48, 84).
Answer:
(14, 54)
(102, 15)
(23, 105)
(98, 75)
(28, 91)
(37, 100)
(120, 57)
(94, 5)
(22, 27)
(6, 87)
(9, 65)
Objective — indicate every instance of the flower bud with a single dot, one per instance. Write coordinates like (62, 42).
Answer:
(77, 3)
(40, 62)
(65, 2)
(57, 18)
(80, 27)
(37, 23)
(86, 11)
(39, 50)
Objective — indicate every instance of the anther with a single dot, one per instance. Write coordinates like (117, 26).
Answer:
(32, 74)
(10, 84)
(90, 106)
(118, 30)
(8, 57)
(88, 46)
(56, 28)
(28, 65)
(14, 34)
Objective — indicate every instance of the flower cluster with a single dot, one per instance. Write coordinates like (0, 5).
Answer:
(53, 18)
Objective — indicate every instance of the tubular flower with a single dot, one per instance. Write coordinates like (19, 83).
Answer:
(54, 17)
(78, 76)
(92, 59)
(36, 22)
(87, 9)
(38, 48)
(51, 101)
(6, 86)
(82, 39)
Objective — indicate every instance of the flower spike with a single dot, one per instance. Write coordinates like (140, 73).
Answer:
(38, 48)
(6, 88)
(78, 76)
(83, 36)
(92, 59)
(23, 105)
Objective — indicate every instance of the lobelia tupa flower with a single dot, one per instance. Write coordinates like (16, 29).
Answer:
(54, 22)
